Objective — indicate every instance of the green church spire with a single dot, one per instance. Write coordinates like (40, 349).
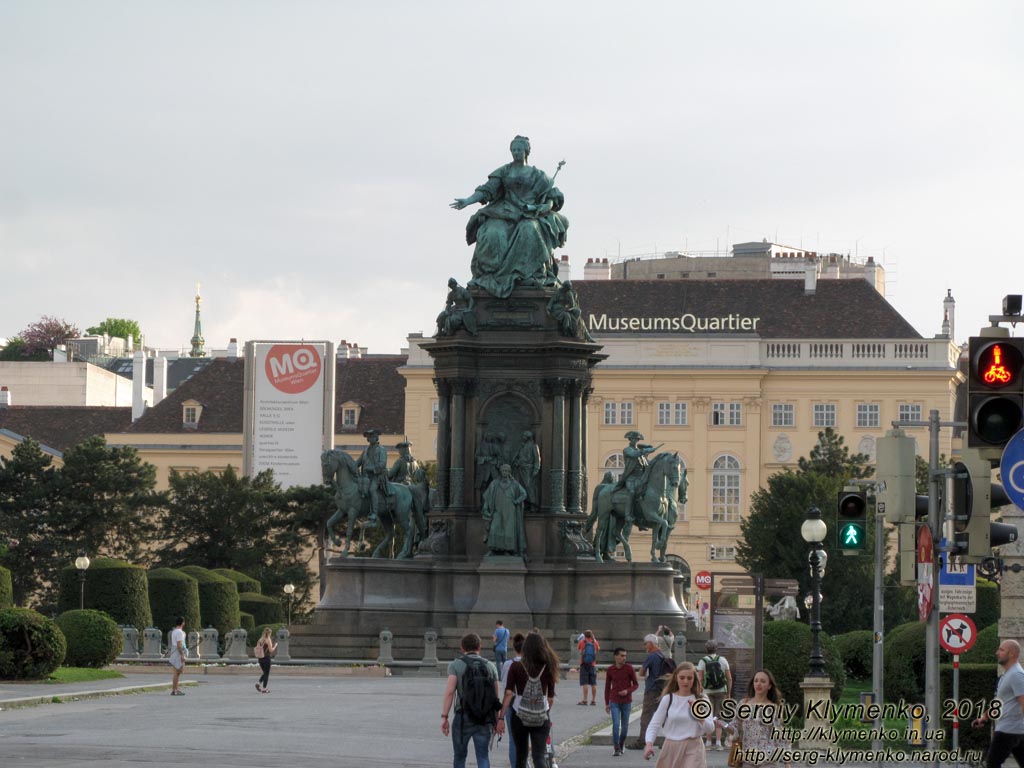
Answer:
(197, 334)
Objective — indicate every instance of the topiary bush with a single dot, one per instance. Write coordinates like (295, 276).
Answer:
(984, 649)
(265, 610)
(787, 654)
(114, 586)
(218, 600)
(243, 582)
(904, 662)
(988, 607)
(173, 594)
(31, 645)
(248, 623)
(93, 638)
(855, 648)
(6, 589)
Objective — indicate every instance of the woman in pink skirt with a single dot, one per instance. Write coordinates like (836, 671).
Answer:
(684, 715)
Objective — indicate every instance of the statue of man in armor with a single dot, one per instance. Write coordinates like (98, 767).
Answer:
(374, 466)
(635, 462)
(407, 470)
(526, 468)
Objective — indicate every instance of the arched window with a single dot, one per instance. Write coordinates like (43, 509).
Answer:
(725, 490)
(615, 464)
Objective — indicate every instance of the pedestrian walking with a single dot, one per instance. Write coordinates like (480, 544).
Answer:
(517, 649)
(619, 683)
(683, 724)
(473, 685)
(588, 648)
(177, 654)
(530, 692)
(500, 639)
(265, 648)
(1008, 736)
(716, 678)
(761, 719)
(655, 667)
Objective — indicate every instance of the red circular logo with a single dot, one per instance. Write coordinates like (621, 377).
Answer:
(293, 368)
(703, 580)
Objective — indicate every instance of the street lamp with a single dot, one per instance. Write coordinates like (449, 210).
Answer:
(813, 532)
(289, 590)
(82, 564)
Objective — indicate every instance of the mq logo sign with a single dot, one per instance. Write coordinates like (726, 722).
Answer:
(293, 368)
(703, 580)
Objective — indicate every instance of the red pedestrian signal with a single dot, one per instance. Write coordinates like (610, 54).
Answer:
(995, 388)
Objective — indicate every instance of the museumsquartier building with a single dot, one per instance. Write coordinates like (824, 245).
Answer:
(739, 376)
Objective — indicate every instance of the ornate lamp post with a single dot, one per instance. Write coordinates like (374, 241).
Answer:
(289, 590)
(82, 564)
(813, 532)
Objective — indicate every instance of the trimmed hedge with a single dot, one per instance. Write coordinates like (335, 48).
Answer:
(248, 623)
(977, 683)
(244, 583)
(173, 594)
(93, 638)
(988, 608)
(984, 649)
(787, 654)
(113, 586)
(265, 610)
(856, 648)
(218, 600)
(6, 589)
(31, 645)
(904, 662)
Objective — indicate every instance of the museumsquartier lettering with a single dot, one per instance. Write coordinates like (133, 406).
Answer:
(688, 323)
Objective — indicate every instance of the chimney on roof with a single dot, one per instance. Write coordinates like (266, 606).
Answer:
(233, 348)
(949, 309)
(810, 276)
(159, 379)
(5, 397)
(138, 385)
(597, 269)
(564, 268)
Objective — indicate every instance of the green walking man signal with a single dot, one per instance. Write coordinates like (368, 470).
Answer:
(851, 532)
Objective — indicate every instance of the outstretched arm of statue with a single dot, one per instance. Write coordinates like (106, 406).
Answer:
(462, 202)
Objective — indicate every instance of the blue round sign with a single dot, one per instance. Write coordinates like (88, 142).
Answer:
(1012, 469)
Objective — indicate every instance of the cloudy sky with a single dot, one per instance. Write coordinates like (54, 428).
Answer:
(298, 158)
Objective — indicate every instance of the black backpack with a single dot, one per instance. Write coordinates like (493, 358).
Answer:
(714, 675)
(668, 666)
(479, 701)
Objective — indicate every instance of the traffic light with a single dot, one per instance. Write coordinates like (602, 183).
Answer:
(851, 531)
(995, 390)
(973, 497)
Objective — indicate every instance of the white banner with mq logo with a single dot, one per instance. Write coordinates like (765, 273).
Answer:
(289, 408)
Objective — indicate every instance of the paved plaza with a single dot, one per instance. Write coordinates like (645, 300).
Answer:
(306, 720)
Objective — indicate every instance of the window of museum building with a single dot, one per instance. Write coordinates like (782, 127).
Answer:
(672, 414)
(824, 415)
(868, 415)
(615, 464)
(725, 490)
(716, 552)
(435, 411)
(191, 410)
(783, 415)
(727, 414)
(348, 417)
(910, 412)
(618, 413)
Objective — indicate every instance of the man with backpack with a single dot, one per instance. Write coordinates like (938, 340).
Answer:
(654, 670)
(475, 680)
(588, 648)
(714, 675)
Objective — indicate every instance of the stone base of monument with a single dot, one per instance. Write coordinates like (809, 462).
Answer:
(621, 602)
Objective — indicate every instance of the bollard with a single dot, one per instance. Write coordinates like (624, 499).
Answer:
(237, 650)
(574, 651)
(679, 648)
(283, 652)
(385, 656)
(129, 644)
(192, 646)
(208, 645)
(151, 644)
(430, 647)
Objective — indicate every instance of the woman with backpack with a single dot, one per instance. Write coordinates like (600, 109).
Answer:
(530, 690)
(684, 715)
(265, 646)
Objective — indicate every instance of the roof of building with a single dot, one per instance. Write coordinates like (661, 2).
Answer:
(373, 382)
(178, 369)
(63, 426)
(837, 309)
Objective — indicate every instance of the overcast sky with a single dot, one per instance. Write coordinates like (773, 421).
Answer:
(298, 158)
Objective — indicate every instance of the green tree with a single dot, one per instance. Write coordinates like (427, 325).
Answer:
(771, 544)
(107, 501)
(117, 327)
(27, 534)
(17, 350)
(46, 334)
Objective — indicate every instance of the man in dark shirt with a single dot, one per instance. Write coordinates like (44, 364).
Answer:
(619, 683)
(651, 671)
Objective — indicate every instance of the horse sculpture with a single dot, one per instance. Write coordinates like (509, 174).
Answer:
(341, 472)
(664, 488)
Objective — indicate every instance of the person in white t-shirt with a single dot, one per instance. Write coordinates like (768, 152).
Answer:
(177, 654)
